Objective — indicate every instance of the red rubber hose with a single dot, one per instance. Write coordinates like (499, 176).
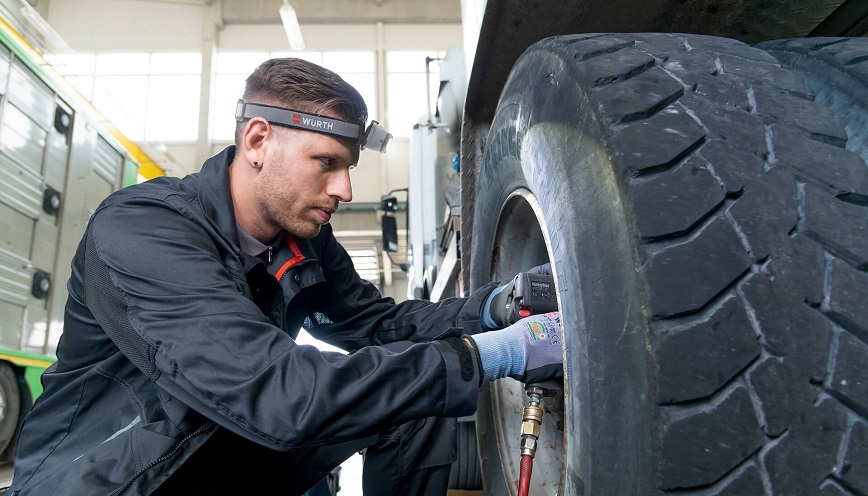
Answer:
(524, 472)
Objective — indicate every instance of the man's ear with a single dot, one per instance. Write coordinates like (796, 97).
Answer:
(253, 140)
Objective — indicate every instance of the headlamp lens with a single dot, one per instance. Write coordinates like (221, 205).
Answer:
(376, 137)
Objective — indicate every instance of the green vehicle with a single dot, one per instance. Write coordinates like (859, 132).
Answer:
(58, 160)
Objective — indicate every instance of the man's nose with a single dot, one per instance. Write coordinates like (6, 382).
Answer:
(340, 186)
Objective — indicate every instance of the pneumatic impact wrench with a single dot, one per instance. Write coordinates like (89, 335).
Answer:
(531, 294)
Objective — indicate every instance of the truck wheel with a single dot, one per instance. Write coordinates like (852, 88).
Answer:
(465, 471)
(836, 69)
(710, 255)
(10, 404)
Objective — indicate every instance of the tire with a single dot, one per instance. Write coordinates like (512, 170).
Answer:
(710, 262)
(466, 472)
(10, 407)
(836, 69)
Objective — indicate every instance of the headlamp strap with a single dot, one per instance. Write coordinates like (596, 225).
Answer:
(375, 137)
(298, 119)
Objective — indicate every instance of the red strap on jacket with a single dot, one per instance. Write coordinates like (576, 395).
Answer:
(292, 261)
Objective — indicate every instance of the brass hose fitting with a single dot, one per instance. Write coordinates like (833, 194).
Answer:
(531, 421)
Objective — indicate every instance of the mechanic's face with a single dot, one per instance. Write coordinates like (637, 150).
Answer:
(305, 175)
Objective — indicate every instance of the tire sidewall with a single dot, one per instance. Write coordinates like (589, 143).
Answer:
(542, 140)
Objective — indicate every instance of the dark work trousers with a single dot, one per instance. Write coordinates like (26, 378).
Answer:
(411, 459)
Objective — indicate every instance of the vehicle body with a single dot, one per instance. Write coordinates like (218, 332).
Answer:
(703, 204)
(58, 159)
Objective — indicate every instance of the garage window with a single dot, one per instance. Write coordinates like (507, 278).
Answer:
(117, 82)
(405, 90)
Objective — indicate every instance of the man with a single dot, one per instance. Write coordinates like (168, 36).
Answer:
(177, 372)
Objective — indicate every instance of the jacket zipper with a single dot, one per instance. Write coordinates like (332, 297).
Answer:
(163, 458)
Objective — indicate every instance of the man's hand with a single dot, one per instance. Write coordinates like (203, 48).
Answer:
(497, 312)
(529, 350)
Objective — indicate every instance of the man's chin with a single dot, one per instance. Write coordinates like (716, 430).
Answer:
(306, 232)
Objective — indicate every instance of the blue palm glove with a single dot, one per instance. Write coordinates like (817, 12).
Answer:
(495, 310)
(529, 350)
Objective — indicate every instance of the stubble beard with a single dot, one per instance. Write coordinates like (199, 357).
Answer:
(309, 233)
(298, 227)
(293, 223)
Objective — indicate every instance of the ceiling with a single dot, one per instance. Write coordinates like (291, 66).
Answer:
(337, 11)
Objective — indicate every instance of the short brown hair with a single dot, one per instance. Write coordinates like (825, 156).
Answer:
(301, 85)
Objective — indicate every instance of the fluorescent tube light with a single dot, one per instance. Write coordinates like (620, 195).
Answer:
(290, 25)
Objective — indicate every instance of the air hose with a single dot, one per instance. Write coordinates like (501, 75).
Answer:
(525, 471)
(530, 430)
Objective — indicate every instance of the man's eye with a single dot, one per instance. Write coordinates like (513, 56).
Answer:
(328, 162)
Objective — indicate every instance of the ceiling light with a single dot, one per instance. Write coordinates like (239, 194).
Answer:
(290, 25)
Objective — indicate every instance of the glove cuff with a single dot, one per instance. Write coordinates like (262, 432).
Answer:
(475, 351)
(487, 321)
(500, 354)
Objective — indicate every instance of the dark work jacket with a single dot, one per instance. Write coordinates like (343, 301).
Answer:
(171, 332)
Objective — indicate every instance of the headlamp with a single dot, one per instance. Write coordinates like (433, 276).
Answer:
(374, 137)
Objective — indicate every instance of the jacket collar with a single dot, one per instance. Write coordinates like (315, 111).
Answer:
(214, 194)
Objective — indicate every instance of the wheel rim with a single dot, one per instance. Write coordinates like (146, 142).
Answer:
(522, 241)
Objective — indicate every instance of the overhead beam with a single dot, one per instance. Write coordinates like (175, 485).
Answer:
(345, 11)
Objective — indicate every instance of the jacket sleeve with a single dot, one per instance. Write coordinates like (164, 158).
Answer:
(156, 281)
(357, 315)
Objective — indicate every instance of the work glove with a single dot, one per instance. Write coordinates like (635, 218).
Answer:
(497, 312)
(529, 350)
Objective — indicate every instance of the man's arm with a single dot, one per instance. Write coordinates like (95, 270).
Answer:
(358, 315)
(156, 279)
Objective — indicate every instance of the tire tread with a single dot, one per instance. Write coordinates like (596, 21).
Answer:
(740, 205)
